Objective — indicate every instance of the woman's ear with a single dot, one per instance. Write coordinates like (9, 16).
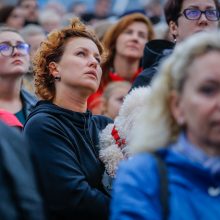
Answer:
(176, 108)
(53, 69)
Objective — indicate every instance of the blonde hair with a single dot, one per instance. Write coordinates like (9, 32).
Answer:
(156, 120)
(112, 86)
(52, 49)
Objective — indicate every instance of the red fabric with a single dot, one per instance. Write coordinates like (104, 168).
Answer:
(94, 101)
(9, 119)
(114, 77)
(120, 142)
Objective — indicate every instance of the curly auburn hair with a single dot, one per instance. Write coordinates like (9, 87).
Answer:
(52, 49)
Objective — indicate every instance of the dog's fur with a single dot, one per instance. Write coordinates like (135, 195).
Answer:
(110, 153)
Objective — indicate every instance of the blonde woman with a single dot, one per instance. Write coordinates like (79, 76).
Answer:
(181, 122)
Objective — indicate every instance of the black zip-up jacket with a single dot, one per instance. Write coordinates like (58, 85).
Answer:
(65, 149)
(154, 52)
(28, 101)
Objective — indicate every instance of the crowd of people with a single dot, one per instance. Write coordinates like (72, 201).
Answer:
(107, 115)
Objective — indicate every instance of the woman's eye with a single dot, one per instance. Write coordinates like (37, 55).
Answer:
(128, 31)
(81, 53)
(142, 35)
(208, 90)
(98, 59)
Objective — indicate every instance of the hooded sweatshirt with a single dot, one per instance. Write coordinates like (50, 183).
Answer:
(65, 149)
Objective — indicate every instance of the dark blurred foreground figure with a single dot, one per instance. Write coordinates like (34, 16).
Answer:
(18, 191)
(63, 134)
(180, 122)
(185, 18)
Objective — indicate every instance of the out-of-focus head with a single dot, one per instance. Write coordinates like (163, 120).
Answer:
(65, 52)
(186, 95)
(101, 27)
(113, 97)
(14, 53)
(33, 34)
(31, 10)
(195, 96)
(186, 17)
(78, 8)
(50, 20)
(12, 16)
(131, 29)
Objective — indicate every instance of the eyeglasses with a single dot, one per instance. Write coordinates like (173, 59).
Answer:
(195, 14)
(7, 49)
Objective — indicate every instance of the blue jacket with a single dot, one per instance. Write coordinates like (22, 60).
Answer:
(194, 190)
(65, 149)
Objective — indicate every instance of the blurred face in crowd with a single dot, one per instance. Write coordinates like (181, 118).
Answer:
(79, 66)
(34, 41)
(31, 9)
(185, 27)
(14, 54)
(16, 19)
(115, 100)
(198, 107)
(131, 41)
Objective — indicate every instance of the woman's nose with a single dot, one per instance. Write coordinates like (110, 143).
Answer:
(93, 61)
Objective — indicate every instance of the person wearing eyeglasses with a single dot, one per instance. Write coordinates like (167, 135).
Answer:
(185, 18)
(14, 62)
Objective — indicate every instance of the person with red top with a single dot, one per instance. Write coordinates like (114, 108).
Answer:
(125, 42)
(10, 119)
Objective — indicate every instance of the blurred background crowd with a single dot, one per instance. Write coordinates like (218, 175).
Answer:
(35, 19)
(70, 78)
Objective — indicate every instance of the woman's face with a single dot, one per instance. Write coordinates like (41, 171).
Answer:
(198, 107)
(31, 9)
(130, 43)
(79, 66)
(186, 28)
(18, 62)
(16, 19)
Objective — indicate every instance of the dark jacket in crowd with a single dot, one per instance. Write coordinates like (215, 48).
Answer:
(28, 102)
(65, 147)
(20, 199)
(154, 52)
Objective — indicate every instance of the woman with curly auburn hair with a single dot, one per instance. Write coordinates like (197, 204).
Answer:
(125, 42)
(63, 134)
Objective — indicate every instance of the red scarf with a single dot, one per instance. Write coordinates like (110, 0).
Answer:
(116, 77)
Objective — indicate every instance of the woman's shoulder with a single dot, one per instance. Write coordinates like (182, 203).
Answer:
(142, 166)
(43, 114)
(143, 160)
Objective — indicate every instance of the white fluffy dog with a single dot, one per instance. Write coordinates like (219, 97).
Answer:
(115, 138)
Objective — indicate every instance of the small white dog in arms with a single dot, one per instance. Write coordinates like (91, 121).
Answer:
(115, 138)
